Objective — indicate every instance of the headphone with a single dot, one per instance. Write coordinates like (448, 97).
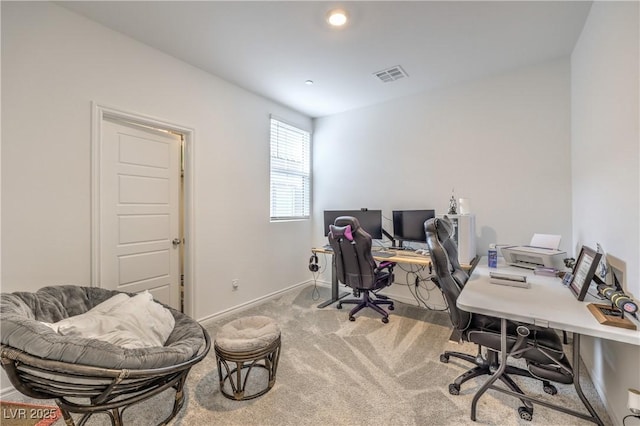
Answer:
(313, 263)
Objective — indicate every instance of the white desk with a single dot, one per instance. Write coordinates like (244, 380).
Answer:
(548, 303)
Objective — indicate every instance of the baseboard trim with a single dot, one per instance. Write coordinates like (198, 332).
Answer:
(244, 306)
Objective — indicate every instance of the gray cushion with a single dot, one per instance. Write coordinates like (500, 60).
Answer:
(20, 328)
(247, 334)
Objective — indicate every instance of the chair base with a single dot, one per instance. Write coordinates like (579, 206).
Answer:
(114, 410)
(368, 302)
(487, 366)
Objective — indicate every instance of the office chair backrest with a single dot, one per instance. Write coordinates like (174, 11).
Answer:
(351, 245)
(459, 274)
(438, 232)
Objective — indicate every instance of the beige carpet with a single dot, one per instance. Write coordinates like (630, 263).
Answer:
(336, 372)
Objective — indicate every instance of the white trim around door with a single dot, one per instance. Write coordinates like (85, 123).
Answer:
(98, 113)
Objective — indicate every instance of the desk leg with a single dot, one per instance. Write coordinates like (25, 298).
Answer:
(335, 288)
(576, 380)
(501, 369)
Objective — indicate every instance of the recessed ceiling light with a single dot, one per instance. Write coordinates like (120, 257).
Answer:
(337, 17)
(309, 82)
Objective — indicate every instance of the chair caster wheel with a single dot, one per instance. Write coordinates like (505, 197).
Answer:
(339, 306)
(385, 320)
(352, 318)
(391, 308)
(525, 413)
(444, 358)
(549, 388)
(454, 389)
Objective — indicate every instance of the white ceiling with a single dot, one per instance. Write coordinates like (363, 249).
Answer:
(272, 48)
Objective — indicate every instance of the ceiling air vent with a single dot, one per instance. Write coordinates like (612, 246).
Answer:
(391, 74)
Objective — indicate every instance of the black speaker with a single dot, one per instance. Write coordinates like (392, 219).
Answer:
(313, 263)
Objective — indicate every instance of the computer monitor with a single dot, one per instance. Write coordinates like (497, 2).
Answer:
(408, 225)
(370, 220)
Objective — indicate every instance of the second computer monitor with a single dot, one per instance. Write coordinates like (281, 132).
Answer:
(370, 220)
(408, 225)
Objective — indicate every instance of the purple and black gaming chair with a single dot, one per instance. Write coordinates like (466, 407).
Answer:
(356, 268)
(541, 348)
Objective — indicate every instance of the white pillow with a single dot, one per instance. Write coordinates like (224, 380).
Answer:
(129, 322)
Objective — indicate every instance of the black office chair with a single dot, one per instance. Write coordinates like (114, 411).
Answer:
(540, 347)
(356, 268)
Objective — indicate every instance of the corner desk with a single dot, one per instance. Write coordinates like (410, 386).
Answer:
(547, 303)
(398, 258)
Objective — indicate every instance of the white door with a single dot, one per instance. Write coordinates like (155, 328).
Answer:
(140, 238)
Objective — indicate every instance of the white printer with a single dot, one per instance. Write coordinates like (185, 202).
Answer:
(541, 252)
(533, 257)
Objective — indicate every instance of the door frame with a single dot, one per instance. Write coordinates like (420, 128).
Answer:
(98, 113)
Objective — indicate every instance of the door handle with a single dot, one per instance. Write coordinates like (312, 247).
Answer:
(176, 242)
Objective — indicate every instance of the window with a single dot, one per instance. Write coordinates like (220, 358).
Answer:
(290, 171)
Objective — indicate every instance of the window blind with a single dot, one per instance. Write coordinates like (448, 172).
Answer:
(290, 171)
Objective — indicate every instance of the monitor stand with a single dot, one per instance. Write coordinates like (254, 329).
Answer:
(400, 246)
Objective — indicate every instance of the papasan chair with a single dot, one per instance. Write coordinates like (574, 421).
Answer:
(84, 375)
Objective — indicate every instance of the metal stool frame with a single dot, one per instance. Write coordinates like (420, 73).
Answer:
(246, 360)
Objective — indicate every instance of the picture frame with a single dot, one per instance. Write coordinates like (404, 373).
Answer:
(584, 271)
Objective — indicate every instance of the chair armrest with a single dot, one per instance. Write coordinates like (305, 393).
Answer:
(385, 265)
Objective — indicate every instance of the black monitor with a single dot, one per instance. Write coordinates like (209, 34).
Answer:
(408, 225)
(370, 220)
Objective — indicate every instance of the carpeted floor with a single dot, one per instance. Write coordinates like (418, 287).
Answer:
(336, 372)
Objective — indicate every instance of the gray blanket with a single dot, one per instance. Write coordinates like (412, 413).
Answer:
(20, 328)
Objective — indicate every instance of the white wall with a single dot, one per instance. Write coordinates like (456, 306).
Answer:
(0, 162)
(605, 162)
(503, 142)
(54, 63)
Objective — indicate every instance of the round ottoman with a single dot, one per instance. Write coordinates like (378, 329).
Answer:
(251, 342)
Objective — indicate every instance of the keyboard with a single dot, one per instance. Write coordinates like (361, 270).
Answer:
(408, 253)
(383, 254)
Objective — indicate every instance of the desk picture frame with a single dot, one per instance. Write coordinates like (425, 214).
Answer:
(584, 271)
